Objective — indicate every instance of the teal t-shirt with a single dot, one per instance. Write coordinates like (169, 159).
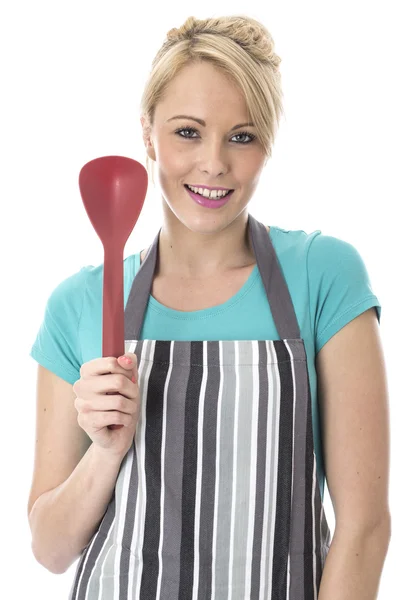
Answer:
(326, 277)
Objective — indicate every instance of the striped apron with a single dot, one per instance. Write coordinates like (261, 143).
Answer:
(218, 496)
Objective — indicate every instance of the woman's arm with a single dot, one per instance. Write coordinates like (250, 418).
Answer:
(353, 400)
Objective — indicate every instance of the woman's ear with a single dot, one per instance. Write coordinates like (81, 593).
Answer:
(146, 127)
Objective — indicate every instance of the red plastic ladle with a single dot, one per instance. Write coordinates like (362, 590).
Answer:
(113, 190)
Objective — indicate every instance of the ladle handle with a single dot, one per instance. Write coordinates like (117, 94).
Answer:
(113, 302)
(113, 305)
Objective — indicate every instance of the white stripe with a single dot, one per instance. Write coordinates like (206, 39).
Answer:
(234, 477)
(199, 474)
(293, 445)
(327, 539)
(253, 467)
(217, 459)
(133, 575)
(132, 568)
(313, 528)
(277, 396)
(322, 549)
(288, 579)
(163, 442)
(139, 522)
(271, 469)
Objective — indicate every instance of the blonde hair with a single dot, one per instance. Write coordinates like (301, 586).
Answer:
(242, 49)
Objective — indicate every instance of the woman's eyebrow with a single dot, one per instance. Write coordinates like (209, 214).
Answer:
(203, 123)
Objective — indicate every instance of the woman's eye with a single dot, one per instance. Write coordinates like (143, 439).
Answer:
(249, 135)
(185, 129)
(192, 130)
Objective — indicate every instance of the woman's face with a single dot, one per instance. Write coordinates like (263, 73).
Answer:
(212, 154)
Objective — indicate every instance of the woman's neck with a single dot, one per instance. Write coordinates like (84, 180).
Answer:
(189, 255)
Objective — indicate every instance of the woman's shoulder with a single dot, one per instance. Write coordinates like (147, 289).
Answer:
(71, 288)
(316, 245)
(330, 263)
(57, 344)
(65, 303)
(292, 244)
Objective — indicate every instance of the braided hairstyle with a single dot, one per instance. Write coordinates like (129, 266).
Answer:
(241, 48)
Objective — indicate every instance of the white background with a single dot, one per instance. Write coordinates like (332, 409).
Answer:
(72, 77)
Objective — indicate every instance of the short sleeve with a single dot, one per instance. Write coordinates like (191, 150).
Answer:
(57, 345)
(339, 286)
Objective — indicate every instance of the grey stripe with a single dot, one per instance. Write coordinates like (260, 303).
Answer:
(173, 467)
(273, 449)
(243, 468)
(105, 564)
(209, 434)
(224, 502)
(298, 496)
(261, 475)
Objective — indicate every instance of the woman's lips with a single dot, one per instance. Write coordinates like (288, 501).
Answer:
(209, 202)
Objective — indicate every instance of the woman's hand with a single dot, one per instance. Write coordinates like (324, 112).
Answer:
(106, 395)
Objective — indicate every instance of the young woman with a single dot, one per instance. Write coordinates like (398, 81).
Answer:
(242, 338)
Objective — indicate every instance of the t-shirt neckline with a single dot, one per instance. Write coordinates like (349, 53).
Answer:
(212, 310)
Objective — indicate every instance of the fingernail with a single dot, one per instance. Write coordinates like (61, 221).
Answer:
(126, 359)
(134, 380)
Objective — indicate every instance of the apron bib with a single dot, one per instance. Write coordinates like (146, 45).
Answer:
(218, 497)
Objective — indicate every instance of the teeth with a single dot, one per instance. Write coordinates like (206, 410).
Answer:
(207, 194)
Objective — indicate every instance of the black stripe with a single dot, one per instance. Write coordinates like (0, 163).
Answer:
(128, 529)
(208, 473)
(153, 438)
(284, 475)
(308, 533)
(260, 473)
(189, 473)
